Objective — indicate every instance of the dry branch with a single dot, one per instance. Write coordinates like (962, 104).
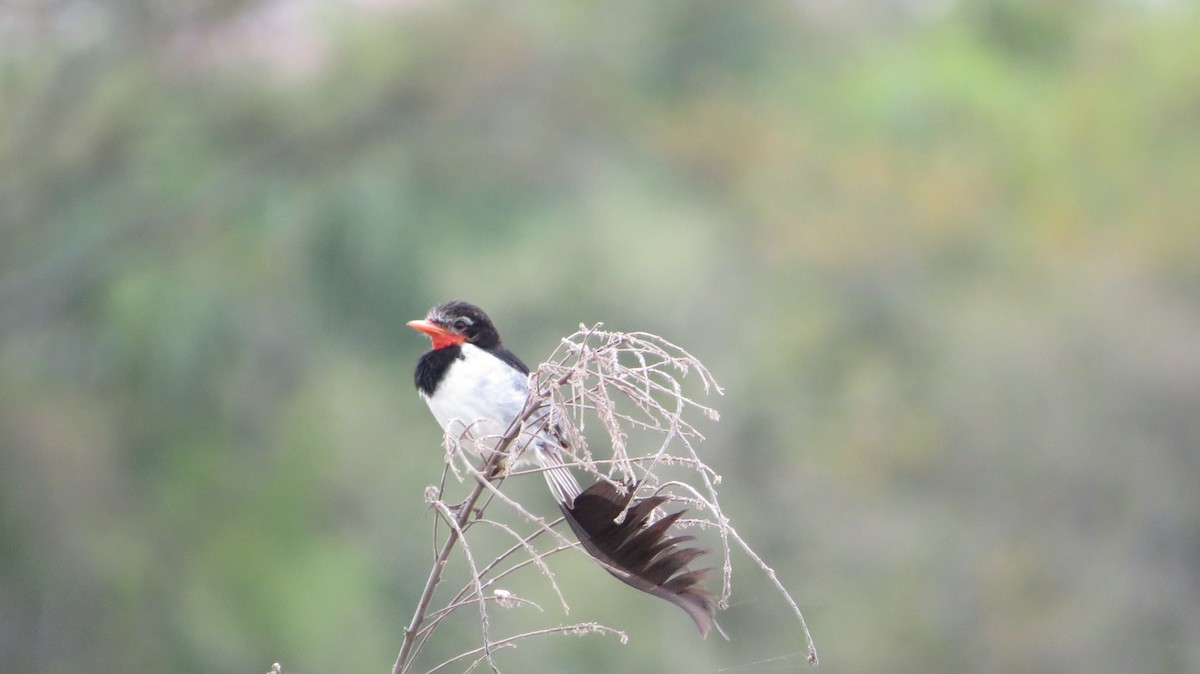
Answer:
(624, 382)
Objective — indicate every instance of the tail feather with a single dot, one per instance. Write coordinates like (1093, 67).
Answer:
(561, 481)
(640, 555)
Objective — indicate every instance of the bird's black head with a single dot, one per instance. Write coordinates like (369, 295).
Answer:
(456, 322)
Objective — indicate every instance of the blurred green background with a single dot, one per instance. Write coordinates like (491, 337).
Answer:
(944, 256)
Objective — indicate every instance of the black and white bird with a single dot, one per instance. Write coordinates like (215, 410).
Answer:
(475, 388)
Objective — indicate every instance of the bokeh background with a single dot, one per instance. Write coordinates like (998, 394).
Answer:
(943, 255)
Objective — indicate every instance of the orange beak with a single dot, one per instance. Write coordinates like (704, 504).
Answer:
(441, 336)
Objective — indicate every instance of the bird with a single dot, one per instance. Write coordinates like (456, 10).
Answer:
(475, 387)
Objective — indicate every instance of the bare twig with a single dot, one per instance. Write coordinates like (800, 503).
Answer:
(493, 462)
(576, 629)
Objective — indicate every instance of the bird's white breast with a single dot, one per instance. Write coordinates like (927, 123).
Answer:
(478, 397)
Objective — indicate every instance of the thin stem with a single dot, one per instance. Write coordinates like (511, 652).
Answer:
(482, 483)
(578, 628)
(435, 576)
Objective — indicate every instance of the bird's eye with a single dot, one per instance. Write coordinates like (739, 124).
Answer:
(461, 324)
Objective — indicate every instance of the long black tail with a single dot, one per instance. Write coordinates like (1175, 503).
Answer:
(641, 555)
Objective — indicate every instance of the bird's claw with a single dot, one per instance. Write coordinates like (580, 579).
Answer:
(457, 508)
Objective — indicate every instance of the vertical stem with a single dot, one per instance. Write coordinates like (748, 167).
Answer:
(435, 576)
(487, 471)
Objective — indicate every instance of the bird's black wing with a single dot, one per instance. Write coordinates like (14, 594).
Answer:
(511, 358)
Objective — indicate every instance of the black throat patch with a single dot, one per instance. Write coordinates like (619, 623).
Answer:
(432, 366)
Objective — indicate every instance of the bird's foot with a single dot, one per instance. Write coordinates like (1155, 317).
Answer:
(457, 508)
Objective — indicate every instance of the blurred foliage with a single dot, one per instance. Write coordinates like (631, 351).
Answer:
(942, 255)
